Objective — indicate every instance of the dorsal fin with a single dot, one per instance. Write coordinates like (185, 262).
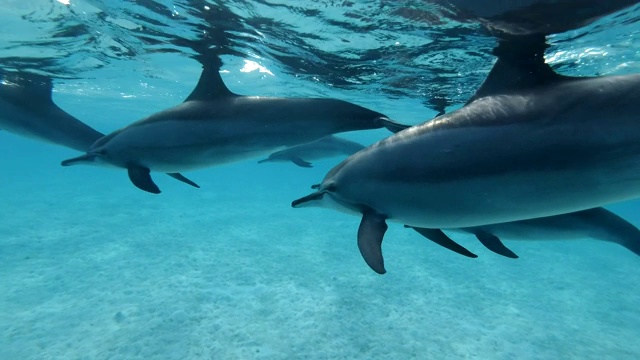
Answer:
(210, 86)
(29, 87)
(520, 66)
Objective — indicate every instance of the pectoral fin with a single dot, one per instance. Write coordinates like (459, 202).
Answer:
(182, 178)
(494, 244)
(370, 236)
(440, 238)
(298, 161)
(141, 178)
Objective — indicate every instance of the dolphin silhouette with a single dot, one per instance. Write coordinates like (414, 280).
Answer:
(530, 143)
(214, 126)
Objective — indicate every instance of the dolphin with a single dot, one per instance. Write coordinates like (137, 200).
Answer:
(214, 126)
(27, 109)
(597, 223)
(534, 17)
(530, 143)
(327, 146)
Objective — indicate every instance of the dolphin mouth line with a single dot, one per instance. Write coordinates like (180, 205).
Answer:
(318, 195)
(79, 160)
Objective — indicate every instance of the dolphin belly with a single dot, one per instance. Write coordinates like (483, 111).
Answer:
(527, 230)
(180, 145)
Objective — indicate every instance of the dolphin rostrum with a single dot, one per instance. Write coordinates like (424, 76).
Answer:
(530, 143)
(27, 109)
(597, 223)
(325, 147)
(214, 126)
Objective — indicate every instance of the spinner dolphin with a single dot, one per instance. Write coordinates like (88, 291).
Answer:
(214, 126)
(529, 144)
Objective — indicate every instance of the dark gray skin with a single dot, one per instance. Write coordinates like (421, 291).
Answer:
(597, 224)
(536, 17)
(530, 144)
(328, 146)
(26, 109)
(215, 126)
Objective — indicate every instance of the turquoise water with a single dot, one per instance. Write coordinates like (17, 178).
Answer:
(93, 268)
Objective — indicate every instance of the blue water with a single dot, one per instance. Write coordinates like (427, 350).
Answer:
(93, 268)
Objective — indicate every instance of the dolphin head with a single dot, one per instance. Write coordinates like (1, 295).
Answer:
(313, 199)
(327, 195)
(316, 198)
(359, 117)
(98, 153)
(87, 158)
(93, 157)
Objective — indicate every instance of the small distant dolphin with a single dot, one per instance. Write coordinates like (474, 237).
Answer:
(597, 223)
(529, 144)
(215, 126)
(27, 109)
(328, 146)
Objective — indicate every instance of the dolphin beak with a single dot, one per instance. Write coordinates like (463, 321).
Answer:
(304, 201)
(393, 126)
(87, 158)
(263, 160)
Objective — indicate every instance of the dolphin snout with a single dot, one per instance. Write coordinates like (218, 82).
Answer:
(86, 158)
(391, 125)
(308, 200)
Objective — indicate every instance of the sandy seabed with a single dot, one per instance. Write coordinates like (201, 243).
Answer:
(92, 268)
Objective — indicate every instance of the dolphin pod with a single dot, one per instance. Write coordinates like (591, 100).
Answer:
(529, 144)
(528, 157)
(214, 126)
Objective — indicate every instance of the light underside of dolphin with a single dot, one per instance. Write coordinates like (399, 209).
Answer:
(215, 126)
(597, 223)
(530, 143)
